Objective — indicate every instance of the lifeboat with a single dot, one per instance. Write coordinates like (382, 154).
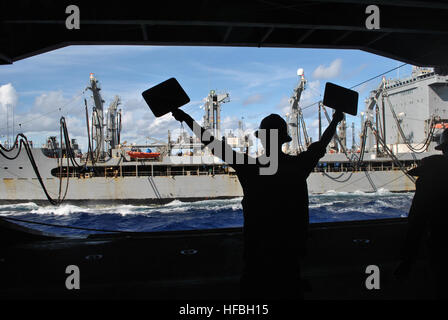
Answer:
(441, 126)
(143, 155)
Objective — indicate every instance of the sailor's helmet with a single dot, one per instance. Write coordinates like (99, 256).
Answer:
(274, 121)
(443, 142)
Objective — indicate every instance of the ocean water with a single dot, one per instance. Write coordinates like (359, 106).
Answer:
(208, 214)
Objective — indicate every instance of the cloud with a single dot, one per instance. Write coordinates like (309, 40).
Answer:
(160, 126)
(44, 115)
(253, 99)
(363, 88)
(283, 105)
(261, 74)
(8, 96)
(47, 102)
(308, 102)
(309, 96)
(42, 118)
(332, 71)
(132, 104)
(354, 72)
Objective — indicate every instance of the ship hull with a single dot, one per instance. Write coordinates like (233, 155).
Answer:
(18, 183)
(141, 190)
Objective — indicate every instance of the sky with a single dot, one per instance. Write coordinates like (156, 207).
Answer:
(259, 81)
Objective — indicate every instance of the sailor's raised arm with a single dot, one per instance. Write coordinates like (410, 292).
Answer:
(181, 116)
(219, 148)
(328, 134)
(318, 149)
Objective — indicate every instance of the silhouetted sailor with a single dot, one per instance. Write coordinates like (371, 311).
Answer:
(428, 217)
(275, 205)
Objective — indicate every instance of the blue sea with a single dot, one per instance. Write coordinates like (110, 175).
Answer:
(207, 214)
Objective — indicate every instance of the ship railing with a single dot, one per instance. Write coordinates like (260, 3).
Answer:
(366, 166)
(320, 168)
(171, 172)
(71, 175)
(180, 171)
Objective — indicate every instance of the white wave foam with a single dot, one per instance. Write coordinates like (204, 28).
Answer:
(15, 206)
(208, 205)
(333, 193)
(380, 192)
(171, 208)
(62, 210)
(362, 203)
(357, 209)
(174, 203)
(122, 210)
(324, 204)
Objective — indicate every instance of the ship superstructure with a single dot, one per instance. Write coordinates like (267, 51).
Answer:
(399, 126)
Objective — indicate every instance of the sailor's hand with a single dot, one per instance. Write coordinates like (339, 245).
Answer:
(180, 115)
(338, 116)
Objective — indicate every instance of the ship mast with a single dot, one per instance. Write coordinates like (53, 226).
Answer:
(212, 108)
(113, 127)
(98, 118)
(342, 133)
(295, 116)
(373, 103)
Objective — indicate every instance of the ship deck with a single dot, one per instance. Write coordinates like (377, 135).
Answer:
(201, 264)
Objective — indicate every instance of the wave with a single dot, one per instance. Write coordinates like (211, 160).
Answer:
(333, 206)
(379, 192)
(202, 205)
(179, 215)
(340, 206)
(15, 206)
(324, 204)
(173, 207)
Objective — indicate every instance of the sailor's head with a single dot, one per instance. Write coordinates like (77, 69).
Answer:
(443, 142)
(273, 122)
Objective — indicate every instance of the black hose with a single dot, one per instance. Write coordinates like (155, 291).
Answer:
(89, 151)
(25, 143)
(10, 149)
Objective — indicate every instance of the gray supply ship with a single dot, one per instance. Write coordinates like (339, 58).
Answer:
(400, 125)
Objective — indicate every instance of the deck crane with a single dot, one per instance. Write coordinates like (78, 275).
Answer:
(113, 124)
(106, 127)
(373, 103)
(212, 108)
(97, 118)
(295, 118)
